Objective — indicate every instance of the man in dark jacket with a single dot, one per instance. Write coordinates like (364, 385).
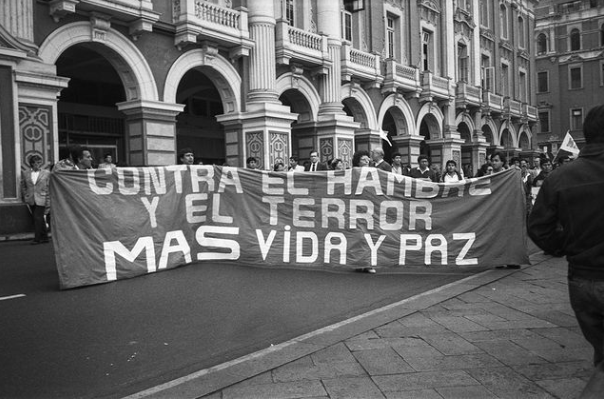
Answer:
(568, 217)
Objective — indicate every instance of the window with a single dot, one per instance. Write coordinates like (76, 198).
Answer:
(544, 121)
(522, 87)
(462, 62)
(541, 43)
(487, 73)
(575, 40)
(503, 21)
(575, 77)
(390, 36)
(484, 13)
(505, 80)
(576, 119)
(542, 82)
(521, 37)
(289, 12)
(427, 45)
(354, 5)
(347, 26)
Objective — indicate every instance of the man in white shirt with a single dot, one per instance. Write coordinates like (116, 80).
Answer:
(294, 166)
(397, 164)
(34, 192)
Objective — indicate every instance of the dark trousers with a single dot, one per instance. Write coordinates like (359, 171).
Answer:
(587, 300)
(37, 213)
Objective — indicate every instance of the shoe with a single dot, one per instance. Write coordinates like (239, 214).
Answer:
(369, 270)
(513, 266)
(34, 242)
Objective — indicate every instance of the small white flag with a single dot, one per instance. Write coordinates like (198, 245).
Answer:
(384, 136)
(569, 145)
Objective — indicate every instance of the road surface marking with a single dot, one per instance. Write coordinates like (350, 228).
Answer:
(4, 298)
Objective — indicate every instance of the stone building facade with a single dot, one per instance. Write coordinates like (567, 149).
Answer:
(140, 79)
(569, 67)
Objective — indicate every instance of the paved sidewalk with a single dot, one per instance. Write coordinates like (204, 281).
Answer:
(499, 334)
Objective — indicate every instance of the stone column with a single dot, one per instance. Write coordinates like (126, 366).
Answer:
(17, 17)
(262, 57)
(150, 131)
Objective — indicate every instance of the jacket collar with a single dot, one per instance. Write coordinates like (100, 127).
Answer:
(592, 150)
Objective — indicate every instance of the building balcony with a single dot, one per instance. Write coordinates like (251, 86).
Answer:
(512, 108)
(434, 87)
(361, 66)
(403, 78)
(492, 103)
(529, 112)
(467, 95)
(299, 46)
(138, 15)
(199, 21)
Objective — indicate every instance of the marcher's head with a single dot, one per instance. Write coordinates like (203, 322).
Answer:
(423, 161)
(377, 154)
(314, 156)
(564, 159)
(337, 164)
(186, 156)
(397, 158)
(593, 126)
(546, 164)
(279, 167)
(293, 161)
(498, 160)
(108, 158)
(251, 162)
(451, 166)
(523, 164)
(360, 158)
(515, 163)
(35, 161)
(84, 160)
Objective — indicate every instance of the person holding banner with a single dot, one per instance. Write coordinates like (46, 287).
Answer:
(34, 192)
(251, 163)
(568, 216)
(79, 158)
(451, 175)
(423, 170)
(377, 154)
(314, 164)
(186, 156)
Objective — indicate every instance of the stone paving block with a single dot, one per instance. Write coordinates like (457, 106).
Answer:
(380, 343)
(456, 324)
(509, 353)
(550, 371)
(287, 390)
(409, 326)
(333, 354)
(450, 344)
(563, 336)
(473, 297)
(415, 347)
(505, 383)
(553, 351)
(484, 319)
(366, 335)
(505, 312)
(352, 388)
(264, 378)
(423, 380)
(568, 388)
(557, 318)
(382, 361)
(498, 335)
(416, 394)
(473, 392)
(527, 323)
(456, 362)
(296, 371)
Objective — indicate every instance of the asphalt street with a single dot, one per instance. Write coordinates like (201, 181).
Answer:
(114, 339)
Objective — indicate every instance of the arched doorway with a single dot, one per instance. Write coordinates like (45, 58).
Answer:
(87, 111)
(196, 126)
(302, 127)
(429, 129)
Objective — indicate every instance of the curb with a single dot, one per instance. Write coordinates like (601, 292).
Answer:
(207, 381)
